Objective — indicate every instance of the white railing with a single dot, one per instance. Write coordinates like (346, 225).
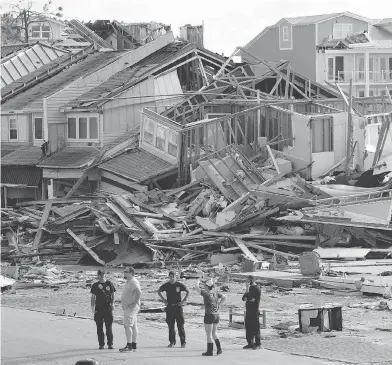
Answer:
(359, 76)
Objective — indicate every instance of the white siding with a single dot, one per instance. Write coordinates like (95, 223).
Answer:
(168, 84)
(79, 87)
(22, 128)
(124, 114)
(4, 128)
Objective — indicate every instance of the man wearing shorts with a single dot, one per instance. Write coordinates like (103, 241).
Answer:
(130, 301)
(212, 301)
(174, 310)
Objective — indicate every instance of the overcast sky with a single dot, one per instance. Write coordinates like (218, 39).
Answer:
(228, 24)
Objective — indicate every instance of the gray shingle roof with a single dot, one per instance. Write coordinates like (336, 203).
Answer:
(70, 157)
(29, 176)
(25, 156)
(136, 73)
(137, 165)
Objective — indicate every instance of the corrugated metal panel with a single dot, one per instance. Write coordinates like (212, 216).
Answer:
(48, 87)
(29, 59)
(30, 176)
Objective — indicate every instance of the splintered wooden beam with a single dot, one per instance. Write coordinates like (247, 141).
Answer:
(241, 244)
(258, 247)
(83, 245)
(45, 216)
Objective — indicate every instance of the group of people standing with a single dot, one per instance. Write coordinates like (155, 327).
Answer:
(102, 301)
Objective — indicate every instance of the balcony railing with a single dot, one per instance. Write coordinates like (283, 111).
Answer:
(359, 76)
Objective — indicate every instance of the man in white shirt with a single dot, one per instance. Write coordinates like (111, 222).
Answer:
(130, 301)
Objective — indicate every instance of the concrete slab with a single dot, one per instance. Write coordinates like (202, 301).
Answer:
(34, 338)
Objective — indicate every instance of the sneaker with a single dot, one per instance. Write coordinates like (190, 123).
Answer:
(172, 344)
(248, 346)
(101, 347)
(183, 345)
(110, 347)
(256, 347)
(218, 352)
(126, 349)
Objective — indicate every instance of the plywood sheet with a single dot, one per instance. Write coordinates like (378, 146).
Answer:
(342, 253)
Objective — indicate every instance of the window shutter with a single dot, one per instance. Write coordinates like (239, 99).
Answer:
(22, 128)
(4, 128)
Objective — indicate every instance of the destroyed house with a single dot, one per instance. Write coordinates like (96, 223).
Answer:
(46, 93)
(228, 112)
(121, 35)
(159, 80)
(31, 105)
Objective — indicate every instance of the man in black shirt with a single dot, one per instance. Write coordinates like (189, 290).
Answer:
(252, 316)
(102, 300)
(174, 310)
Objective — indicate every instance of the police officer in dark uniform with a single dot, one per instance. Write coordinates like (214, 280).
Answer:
(102, 300)
(174, 310)
(252, 316)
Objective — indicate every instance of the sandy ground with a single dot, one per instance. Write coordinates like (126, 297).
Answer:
(281, 305)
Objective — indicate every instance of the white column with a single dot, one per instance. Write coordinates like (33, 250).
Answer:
(50, 190)
(367, 73)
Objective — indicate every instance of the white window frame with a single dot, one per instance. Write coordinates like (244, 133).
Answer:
(285, 33)
(88, 139)
(172, 138)
(333, 68)
(11, 119)
(334, 76)
(169, 133)
(41, 31)
(282, 41)
(34, 130)
(342, 30)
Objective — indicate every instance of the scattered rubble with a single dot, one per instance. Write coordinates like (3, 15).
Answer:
(222, 218)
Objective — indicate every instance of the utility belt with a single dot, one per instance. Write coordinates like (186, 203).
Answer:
(173, 306)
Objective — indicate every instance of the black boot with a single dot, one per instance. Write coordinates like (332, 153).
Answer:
(210, 349)
(218, 347)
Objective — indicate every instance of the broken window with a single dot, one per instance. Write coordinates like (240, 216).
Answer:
(148, 134)
(13, 129)
(38, 128)
(82, 128)
(322, 135)
(341, 31)
(160, 141)
(172, 149)
(72, 128)
(93, 128)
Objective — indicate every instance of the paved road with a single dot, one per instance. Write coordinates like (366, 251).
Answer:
(34, 338)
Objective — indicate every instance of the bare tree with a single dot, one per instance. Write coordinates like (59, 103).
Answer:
(22, 14)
